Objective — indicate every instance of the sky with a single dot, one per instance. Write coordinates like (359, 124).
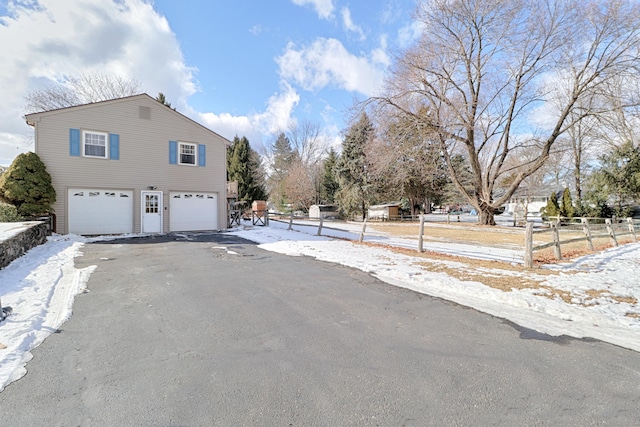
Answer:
(248, 67)
(40, 286)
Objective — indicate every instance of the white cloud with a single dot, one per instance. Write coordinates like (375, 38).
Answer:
(410, 33)
(326, 62)
(349, 25)
(324, 8)
(48, 40)
(260, 126)
(256, 29)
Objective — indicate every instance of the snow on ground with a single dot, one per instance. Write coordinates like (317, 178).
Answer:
(41, 285)
(40, 288)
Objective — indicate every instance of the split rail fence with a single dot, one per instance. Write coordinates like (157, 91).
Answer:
(613, 229)
(562, 231)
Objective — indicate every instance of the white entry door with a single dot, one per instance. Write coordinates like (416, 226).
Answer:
(151, 204)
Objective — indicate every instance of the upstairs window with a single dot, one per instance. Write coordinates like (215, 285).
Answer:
(187, 154)
(94, 144)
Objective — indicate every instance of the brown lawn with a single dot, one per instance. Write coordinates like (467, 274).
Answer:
(505, 237)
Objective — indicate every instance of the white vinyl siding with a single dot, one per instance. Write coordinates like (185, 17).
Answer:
(143, 152)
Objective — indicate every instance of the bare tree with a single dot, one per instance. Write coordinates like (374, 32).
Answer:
(620, 124)
(85, 88)
(306, 139)
(486, 71)
(299, 185)
(405, 162)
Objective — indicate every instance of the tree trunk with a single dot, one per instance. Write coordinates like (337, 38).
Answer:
(486, 216)
(427, 205)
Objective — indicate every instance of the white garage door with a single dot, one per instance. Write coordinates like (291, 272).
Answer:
(93, 211)
(193, 211)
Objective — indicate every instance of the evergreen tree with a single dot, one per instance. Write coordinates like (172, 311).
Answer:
(163, 100)
(566, 204)
(27, 185)
(329, 181)
(282, 157)
(243, 166)
(619, 178)
(351, 168)
(552, 208)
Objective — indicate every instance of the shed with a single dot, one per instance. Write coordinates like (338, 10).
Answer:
(384, 211)
(323, 211)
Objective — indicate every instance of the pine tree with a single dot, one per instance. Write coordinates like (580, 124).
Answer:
(27, 185)
(552, 208)
(566, 204)
(282, 157)
(351, 168)
(329, 181)
(243, 166)
(163, 100)
(618, 177)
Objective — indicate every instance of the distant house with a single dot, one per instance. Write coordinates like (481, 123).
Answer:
(323, 211)
(132, 165)
(384, 211)
(530, 200)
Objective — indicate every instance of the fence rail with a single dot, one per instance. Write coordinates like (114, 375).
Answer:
(611, 230)
(562, 233)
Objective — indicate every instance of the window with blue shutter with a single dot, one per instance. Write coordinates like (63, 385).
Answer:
(173, 152)
(202, 155)
(114, 146)
(74, 142)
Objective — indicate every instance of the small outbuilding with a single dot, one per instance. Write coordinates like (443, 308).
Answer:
(384, 212)
(323, 211)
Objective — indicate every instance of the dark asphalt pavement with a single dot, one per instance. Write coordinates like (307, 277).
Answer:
(178, 331)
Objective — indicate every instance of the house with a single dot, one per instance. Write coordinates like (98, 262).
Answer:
(530, 200)
(385, 211)
(323, 211)
(132, 165)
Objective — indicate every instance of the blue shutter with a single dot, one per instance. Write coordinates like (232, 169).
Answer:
(74, 142)
(202, 155)
(114, 146)
(173, 152)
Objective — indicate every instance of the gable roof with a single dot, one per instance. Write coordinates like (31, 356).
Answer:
(30, 118)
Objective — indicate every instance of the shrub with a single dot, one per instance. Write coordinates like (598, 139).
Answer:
(27, 185)
(566, 205)
(9, 213)
(552, 208)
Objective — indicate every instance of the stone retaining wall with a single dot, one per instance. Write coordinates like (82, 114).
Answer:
(19, 244)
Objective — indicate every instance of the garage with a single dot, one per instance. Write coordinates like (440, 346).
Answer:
(193, 211)
(99, 211)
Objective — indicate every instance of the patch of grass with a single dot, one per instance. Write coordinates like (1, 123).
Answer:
(504, 276)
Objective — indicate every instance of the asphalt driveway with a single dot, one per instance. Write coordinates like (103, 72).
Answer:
(210, 330)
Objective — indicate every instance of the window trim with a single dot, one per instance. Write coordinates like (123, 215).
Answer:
(84, 144)
(195, 153)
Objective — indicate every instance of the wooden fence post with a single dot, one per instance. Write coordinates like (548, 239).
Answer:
(420, 236)
(528, 245)
(364, 227)
(291, 221)
(556, 240)
(587, 231)
(611, 231)
(632, 229)
(320, 226)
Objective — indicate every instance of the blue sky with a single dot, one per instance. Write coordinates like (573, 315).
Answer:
(246, 67)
